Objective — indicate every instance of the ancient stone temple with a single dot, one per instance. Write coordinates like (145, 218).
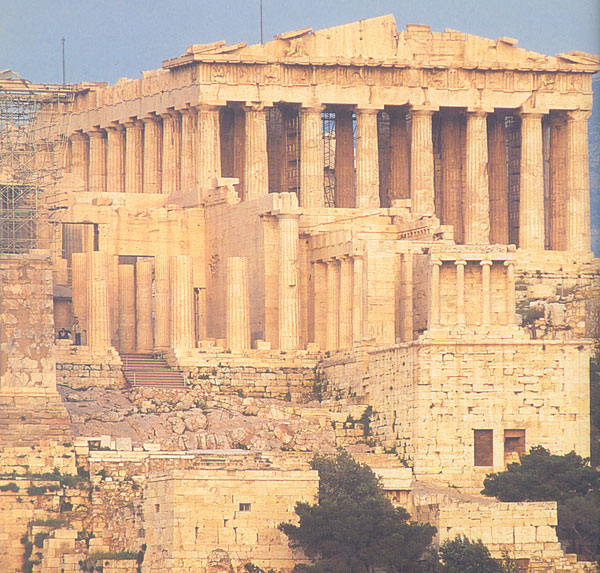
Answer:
(383, 205)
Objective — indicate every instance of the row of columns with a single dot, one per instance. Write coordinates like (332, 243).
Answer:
(338, 295)
(486, 293)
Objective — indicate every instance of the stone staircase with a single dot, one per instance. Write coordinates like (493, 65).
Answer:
(146, 370)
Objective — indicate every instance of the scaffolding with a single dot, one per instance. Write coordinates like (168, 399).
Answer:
(33, 146)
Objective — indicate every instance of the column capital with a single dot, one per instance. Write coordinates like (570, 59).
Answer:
(170, 114)
(372, 110)
(78, 136)
(486, 262)
(312, 108)
(460, 263)
(96, 133)
(115, 127)
(255, 106)
(435, 262)
(422, 111)
(150, 118)
(509, 263)
(132, 122)
(206, 106)
(532, 113)
(478, 112)
(578, 115)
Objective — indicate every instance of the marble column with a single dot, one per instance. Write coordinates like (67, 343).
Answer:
(97, 298)
(319, 295)
(486, 293)
(421, 163)
(289, 296)
(344, 160)
(498, 179)
(357, 298)
(531, 204)
(476, 207)
(333, 304)
(460, 292)
(115, 162)
(434, 294)
(312, 158)
(399, 156)
(80, 157)
(126, 309)
(152, 154)
(367, 159)
(79, 291)
(134, 157)
(451, 173)
(97, 167)
(346, 302)
(256, 166)
(162, 298)
(208, 145)
(578, 183)
(182, 302)
(407, 297)
(238, 305)
(171, 152)
(558, 182)
(188, 148)
(511, 295)
(143, 300)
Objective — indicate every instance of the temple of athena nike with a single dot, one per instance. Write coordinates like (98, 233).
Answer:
(355, 217)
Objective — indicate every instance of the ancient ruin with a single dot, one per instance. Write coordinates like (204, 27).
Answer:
(362, 216)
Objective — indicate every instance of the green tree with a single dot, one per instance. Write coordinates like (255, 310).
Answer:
(568, 480)
(461, 555)
(355, 528)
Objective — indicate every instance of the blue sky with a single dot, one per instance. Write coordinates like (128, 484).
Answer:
(109, 39)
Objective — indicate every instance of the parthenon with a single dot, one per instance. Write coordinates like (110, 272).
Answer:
(382, 206)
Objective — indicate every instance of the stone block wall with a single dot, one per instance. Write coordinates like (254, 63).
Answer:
(234, 511)
(429, 397)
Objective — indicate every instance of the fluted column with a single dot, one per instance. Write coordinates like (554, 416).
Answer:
(126, 308)
(399, 157)
(477, 196)
(407, 297)
(434, 294)
(256, 166)
(344, 160)
(357, 298)
(486, 293)
(152, 154)
(208, 143)
(531, 205)
(312, 158)
(188, 147)
(143, 304)
(451, 173)
(79, 290)
(98, 311)
(134, 142)
(578, 182)
(333, 304)
(498, 179)
(511, 298)
(97, 168)
(289, 296)
(171, 151)
(182, 302)
(80, 156)
(115, 163)
(238, 304)
(558, 182)
(421, 163)
(367, 159)
(460, 292)
(162, 298)
(346, 302)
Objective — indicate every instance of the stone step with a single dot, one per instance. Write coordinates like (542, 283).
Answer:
(145, 370)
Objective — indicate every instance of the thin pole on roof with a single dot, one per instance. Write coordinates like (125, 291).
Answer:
(261, 23)
(63, 59)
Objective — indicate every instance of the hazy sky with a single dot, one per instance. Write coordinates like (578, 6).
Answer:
(109, 39)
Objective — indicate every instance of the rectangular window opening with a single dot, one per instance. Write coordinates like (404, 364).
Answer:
(245, 506)
(484, 447)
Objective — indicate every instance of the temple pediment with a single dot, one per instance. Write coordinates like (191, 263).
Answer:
(377, 41)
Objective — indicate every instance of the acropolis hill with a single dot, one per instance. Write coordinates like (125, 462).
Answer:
(361, 237)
